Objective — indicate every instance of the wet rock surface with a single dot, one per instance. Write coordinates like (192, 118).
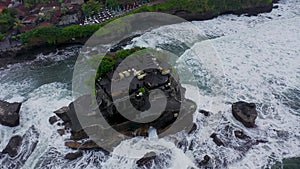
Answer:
(241, 135)
(245, 113)
(53, 119)
(73, 156)
(83, 116)
(13, 146)
(204, 112)
(21, 147)
(146, 160)
(9, 113)
(205, 160)
(217, 140)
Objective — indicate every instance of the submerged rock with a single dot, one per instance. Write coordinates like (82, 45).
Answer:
(146, 160)
(245, 113)
(217, 140)
(53, 119)
(241, 135)
(13, 146)
(73, 156)
(62, 114)
(205, 160)
(20, 149)
(204, 112)
(9, 113)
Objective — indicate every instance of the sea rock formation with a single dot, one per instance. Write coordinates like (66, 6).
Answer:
(245, 113)
(13, 146)
(148, 88)
(146, 160)
(73, 156)
(9, 113)
(19, 149)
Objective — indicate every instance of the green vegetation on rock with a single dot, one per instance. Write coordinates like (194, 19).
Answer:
(54, 35)
(109, 61)
(142, 90)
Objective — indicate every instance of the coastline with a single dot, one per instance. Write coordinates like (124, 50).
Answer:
(16, 51)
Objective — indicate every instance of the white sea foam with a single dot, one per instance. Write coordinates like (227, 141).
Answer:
(257, 60)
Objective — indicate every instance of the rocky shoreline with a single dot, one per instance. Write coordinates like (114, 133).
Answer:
(66, 122)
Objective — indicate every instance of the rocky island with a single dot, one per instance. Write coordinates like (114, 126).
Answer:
(148, 89)
(138, 97)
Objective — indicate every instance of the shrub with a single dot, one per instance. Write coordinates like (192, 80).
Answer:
(109, 61)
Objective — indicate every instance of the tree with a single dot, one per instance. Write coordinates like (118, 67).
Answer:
(7, 19)
(18, 25)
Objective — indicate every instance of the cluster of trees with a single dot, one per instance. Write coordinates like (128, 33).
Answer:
(7, 21)
(55, 35)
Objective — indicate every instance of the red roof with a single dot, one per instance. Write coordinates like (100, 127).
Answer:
(29, 18)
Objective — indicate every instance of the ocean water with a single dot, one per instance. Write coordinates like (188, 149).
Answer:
(255, 59)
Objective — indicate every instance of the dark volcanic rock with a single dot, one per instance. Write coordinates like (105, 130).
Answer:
(205, 161)
(217, 140)
(84, 118)
(83, 146)
(26, 144)
(13, 146)
(53, 119)
(204, 112)
(78, 135)
(245, 113)
(9, 113)
(146, 160)
(62, 114)
(61, 131)
(241, 135)
(73, 156)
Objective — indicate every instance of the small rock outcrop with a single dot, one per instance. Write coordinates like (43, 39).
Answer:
(146, 160)
(13, 146)
(241, 135)
(204, 112)
(19, 149)
(205, 160)
(53, 119)
(9, 113)
(217, 140)
(73, 156)
(245, 113)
